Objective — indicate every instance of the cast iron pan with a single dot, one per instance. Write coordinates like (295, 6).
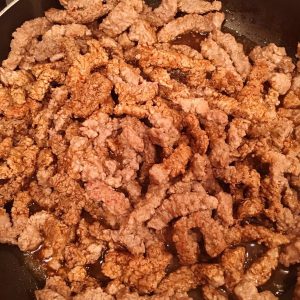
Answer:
(253, 22)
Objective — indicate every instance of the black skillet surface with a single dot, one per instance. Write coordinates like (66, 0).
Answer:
(251, 21)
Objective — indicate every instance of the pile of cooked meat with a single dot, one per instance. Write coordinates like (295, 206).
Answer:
(152, 161)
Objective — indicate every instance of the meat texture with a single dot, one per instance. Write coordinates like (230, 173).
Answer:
(190, 22)
(198, 6)
(142, 151)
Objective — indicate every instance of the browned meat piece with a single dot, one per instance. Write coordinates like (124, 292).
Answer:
(181, 205)
(185, 279)
(249, 233)
(252, 110)
(241, 174)
(263, 235)
(181, 280)
(188, 23)
(78, 11)
(142, 273)
(196, 69)
(124, 41)
(20, 161)
(292, 99)
(220, 153)
(13, 104)
(233, 263)
(225, 208)
(121, 17)
(20, 211)
(273, 55)
(225, 80)
(291, 253)
(211, 293)
(170, 88)
(45, 294)
(142, 32)
(193, 105)
(172, 166)
(55, 287)
(215, 122)
(164, 13)
(246, 290)
(198, 6)
(114, 202)
(297, 289)
(202, 170)
(94, 91)
(236, 132)
(18, 78)
(22, 38)
(186, 244)
(93, 293)
(39, 88)
(200, 140)
(51, 46)
(225, 77)
(291, 114)
(7, 232)
(129, 84)
(234, 50)
(250, 208)
(93, 88)
(10, 188)
(260, 271)
(5, 147)
(163, 133)
(132, 234)
(212, 274)
(290, 199)
(43, 227)
(187, 247)
(212, 232)
(281, 82)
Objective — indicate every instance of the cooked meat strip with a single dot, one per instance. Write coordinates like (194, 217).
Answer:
(78, 11)
(174, 207)
(164, 13)
(233, 263)
(198, 6)
(192, 22)
(121, 17)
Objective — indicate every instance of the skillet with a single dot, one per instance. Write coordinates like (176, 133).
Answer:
(253, 22)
